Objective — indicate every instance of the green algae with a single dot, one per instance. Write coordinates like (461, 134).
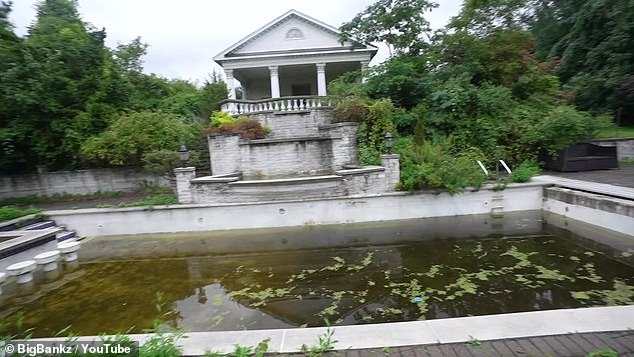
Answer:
(423, 280)
(621, 294)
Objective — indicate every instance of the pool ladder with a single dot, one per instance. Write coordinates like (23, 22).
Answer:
(497, 201)
(497, 205)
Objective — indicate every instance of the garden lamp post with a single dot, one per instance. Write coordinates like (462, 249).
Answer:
(389, 142)
(183, 154)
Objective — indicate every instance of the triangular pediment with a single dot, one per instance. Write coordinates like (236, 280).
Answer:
(292, 32)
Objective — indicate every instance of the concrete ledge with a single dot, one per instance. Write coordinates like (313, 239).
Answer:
(462, 329)
(360, 171)
(591, 200)
(215, 179)
(606, 212)
(287, 140)
(287, 181)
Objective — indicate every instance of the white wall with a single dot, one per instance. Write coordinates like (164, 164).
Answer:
(197, 218)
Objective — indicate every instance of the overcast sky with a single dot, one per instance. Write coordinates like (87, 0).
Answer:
(185, 35)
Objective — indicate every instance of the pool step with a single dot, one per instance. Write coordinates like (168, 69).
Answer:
(39, 225)
(64, 235)
(497, 205)
(21, 239)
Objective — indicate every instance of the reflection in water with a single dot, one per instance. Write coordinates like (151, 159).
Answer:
(408, 279)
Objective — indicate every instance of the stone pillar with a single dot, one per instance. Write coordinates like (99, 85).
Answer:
(344, 143)
(364, 71)
(230, 84)
(321, 80)
(183, 185)
(391, 163)
(275, 82)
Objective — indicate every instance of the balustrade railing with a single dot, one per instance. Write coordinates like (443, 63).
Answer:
(282, 104)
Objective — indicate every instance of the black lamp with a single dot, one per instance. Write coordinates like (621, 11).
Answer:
(183, 154)
(389, 142)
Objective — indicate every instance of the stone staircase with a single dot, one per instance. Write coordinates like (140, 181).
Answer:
(23, 234)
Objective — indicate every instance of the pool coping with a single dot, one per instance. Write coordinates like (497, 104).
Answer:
(412, 333)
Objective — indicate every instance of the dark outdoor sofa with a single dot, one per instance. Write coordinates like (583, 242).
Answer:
(582, 157)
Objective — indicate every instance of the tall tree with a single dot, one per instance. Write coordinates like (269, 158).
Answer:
(65, 59)
(14, 151)
(398, 23)
(484, 17)
(592, 42)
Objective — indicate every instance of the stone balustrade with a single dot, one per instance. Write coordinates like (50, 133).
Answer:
(281, 104)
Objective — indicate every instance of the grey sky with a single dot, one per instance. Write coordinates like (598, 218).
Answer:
(185, 35)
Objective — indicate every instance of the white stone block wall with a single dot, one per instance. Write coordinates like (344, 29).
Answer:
(327, 149)
(285, 159)
(287, 125)
(237, 192)
(224, 154)
(344, 147)
(372, 180)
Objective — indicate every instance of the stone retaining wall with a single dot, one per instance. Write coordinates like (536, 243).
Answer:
(78, 182)
(363, 181)
(329, 150)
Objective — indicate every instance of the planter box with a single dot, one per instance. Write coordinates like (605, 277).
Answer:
(582, 157)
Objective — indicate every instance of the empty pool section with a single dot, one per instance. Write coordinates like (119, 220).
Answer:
(607, 206)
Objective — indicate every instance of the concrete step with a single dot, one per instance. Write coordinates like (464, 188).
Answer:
(62, 236)
(39, 225)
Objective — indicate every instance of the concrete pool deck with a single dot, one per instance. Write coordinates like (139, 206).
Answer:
(440, 331)
(417, 333)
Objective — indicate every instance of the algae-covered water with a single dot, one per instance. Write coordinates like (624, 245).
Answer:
(414, 274)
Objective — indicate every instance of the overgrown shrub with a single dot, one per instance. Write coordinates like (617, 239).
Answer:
(221, 118)
(434, 165)
(131, 135)
(350, 110)
(371, 134)
(525, 171)
(10, 212)
(247, 128)
(563, 126)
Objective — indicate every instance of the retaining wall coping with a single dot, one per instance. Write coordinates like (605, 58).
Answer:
(278, 112)
(287, 181)
(360, 171)
(214, 179)
(337, 125)
(71, 212)
(286, 140)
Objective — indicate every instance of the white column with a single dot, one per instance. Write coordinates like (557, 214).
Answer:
(275, 82)
(364, 71)
(321, 80)
(230, 83)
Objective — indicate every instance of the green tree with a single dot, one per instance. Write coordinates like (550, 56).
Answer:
(64, 62)
(14, 151)
(214, 91)
(398, 23)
